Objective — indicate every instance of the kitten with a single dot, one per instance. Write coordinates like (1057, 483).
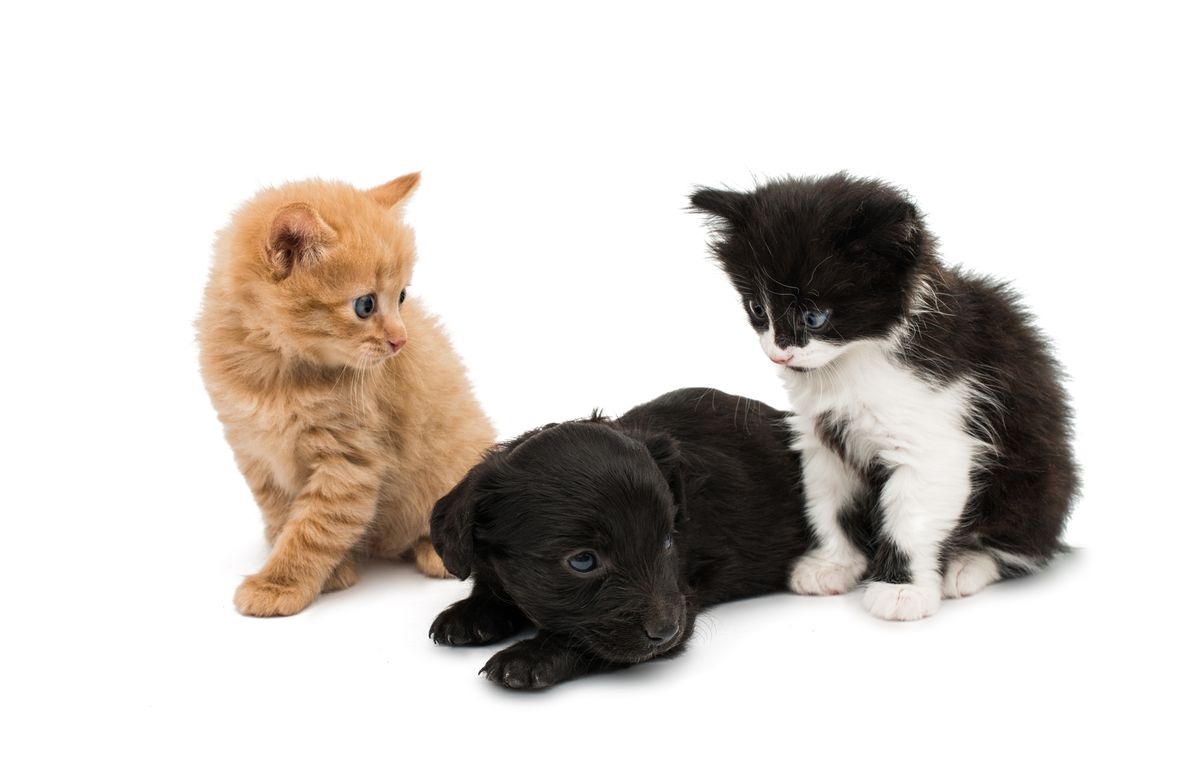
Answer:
(934, 429)
(347, 410)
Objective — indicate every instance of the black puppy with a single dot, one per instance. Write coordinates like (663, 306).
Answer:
(609, 535)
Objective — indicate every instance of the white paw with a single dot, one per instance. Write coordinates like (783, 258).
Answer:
(813, 575)
(968, 573)
(900, 602)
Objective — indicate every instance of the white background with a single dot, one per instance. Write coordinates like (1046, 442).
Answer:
(1054, 145)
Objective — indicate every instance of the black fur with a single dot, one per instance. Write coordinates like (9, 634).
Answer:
(712, 471)
(859, 248)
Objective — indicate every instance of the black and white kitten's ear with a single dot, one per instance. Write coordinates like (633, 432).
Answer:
(666, 454)
(396, 192)
(733, 207)
(890, 227)
(298, 236)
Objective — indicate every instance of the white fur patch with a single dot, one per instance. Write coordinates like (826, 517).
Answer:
(917, 431)
(814, 576)
(968, 573)
(900, 602)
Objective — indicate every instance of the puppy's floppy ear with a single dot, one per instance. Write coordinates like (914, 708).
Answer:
(733, 207)
(666, 454)
(452, 524)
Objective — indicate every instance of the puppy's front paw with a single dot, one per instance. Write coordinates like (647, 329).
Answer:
(523, 666)
(901, 602)
(813, 575)
(474, 622)
(258, 596)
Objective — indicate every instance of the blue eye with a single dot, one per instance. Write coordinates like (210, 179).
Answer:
(814, 319)
(364, 305)
(757, 310)
(583, 562)
(668, 542)
(403, 296)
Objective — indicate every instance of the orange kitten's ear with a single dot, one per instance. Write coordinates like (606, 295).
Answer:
(298, 235)
(396, 191)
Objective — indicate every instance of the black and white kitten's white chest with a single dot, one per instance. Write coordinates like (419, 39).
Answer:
(867, 414)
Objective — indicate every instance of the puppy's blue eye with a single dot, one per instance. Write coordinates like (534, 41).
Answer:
(403, 296)
(583, 562)
(668, 542)
(815, 319)
(364, 305)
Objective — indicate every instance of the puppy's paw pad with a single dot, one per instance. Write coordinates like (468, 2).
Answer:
(259, 597)
(900, 602)
(817, 576)
(968, 573)
(519, 669)
(466, 623)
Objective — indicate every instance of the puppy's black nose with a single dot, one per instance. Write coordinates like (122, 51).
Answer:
(660, 633)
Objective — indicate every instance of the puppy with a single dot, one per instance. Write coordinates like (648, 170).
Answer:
(609, 535)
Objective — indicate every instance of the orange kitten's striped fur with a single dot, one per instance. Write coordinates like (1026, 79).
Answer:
(345, 441)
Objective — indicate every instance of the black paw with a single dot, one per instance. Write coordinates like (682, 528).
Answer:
(474, 622)
(526, 666)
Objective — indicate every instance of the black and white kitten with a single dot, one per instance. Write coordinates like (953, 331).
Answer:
(934, 429)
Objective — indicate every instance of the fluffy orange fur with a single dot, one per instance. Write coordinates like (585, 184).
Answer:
(346, 429)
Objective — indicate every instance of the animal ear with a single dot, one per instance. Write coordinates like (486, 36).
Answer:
(298, 235)
(666, 454)
(397, 191)
(891, 228)
(452, 524)
(726, 204)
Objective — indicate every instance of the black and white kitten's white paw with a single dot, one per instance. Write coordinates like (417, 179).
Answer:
(901, 602)
(815, 575)
(969, 572)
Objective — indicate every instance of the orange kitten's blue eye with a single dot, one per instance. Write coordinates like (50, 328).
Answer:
(364, 305)
(403, 295)
(815, 319)
(583, 562)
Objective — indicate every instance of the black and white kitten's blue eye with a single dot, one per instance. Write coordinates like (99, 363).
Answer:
(668, 542)
(815, 319)
(756, 309)
(364, 305)
(583, 562)
(403, 295)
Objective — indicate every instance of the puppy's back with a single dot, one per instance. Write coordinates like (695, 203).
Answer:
(745, 498)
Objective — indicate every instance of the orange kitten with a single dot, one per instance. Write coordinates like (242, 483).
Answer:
(347, 410)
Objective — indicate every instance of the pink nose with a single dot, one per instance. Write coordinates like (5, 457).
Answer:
(780, 360)
(397, 343)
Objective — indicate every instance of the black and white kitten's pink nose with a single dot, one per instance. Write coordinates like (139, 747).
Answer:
(782, 358)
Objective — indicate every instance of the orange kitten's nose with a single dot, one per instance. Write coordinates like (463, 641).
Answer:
(397, 343)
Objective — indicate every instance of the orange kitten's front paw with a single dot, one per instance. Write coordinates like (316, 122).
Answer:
(428, 561)
(260, 597)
